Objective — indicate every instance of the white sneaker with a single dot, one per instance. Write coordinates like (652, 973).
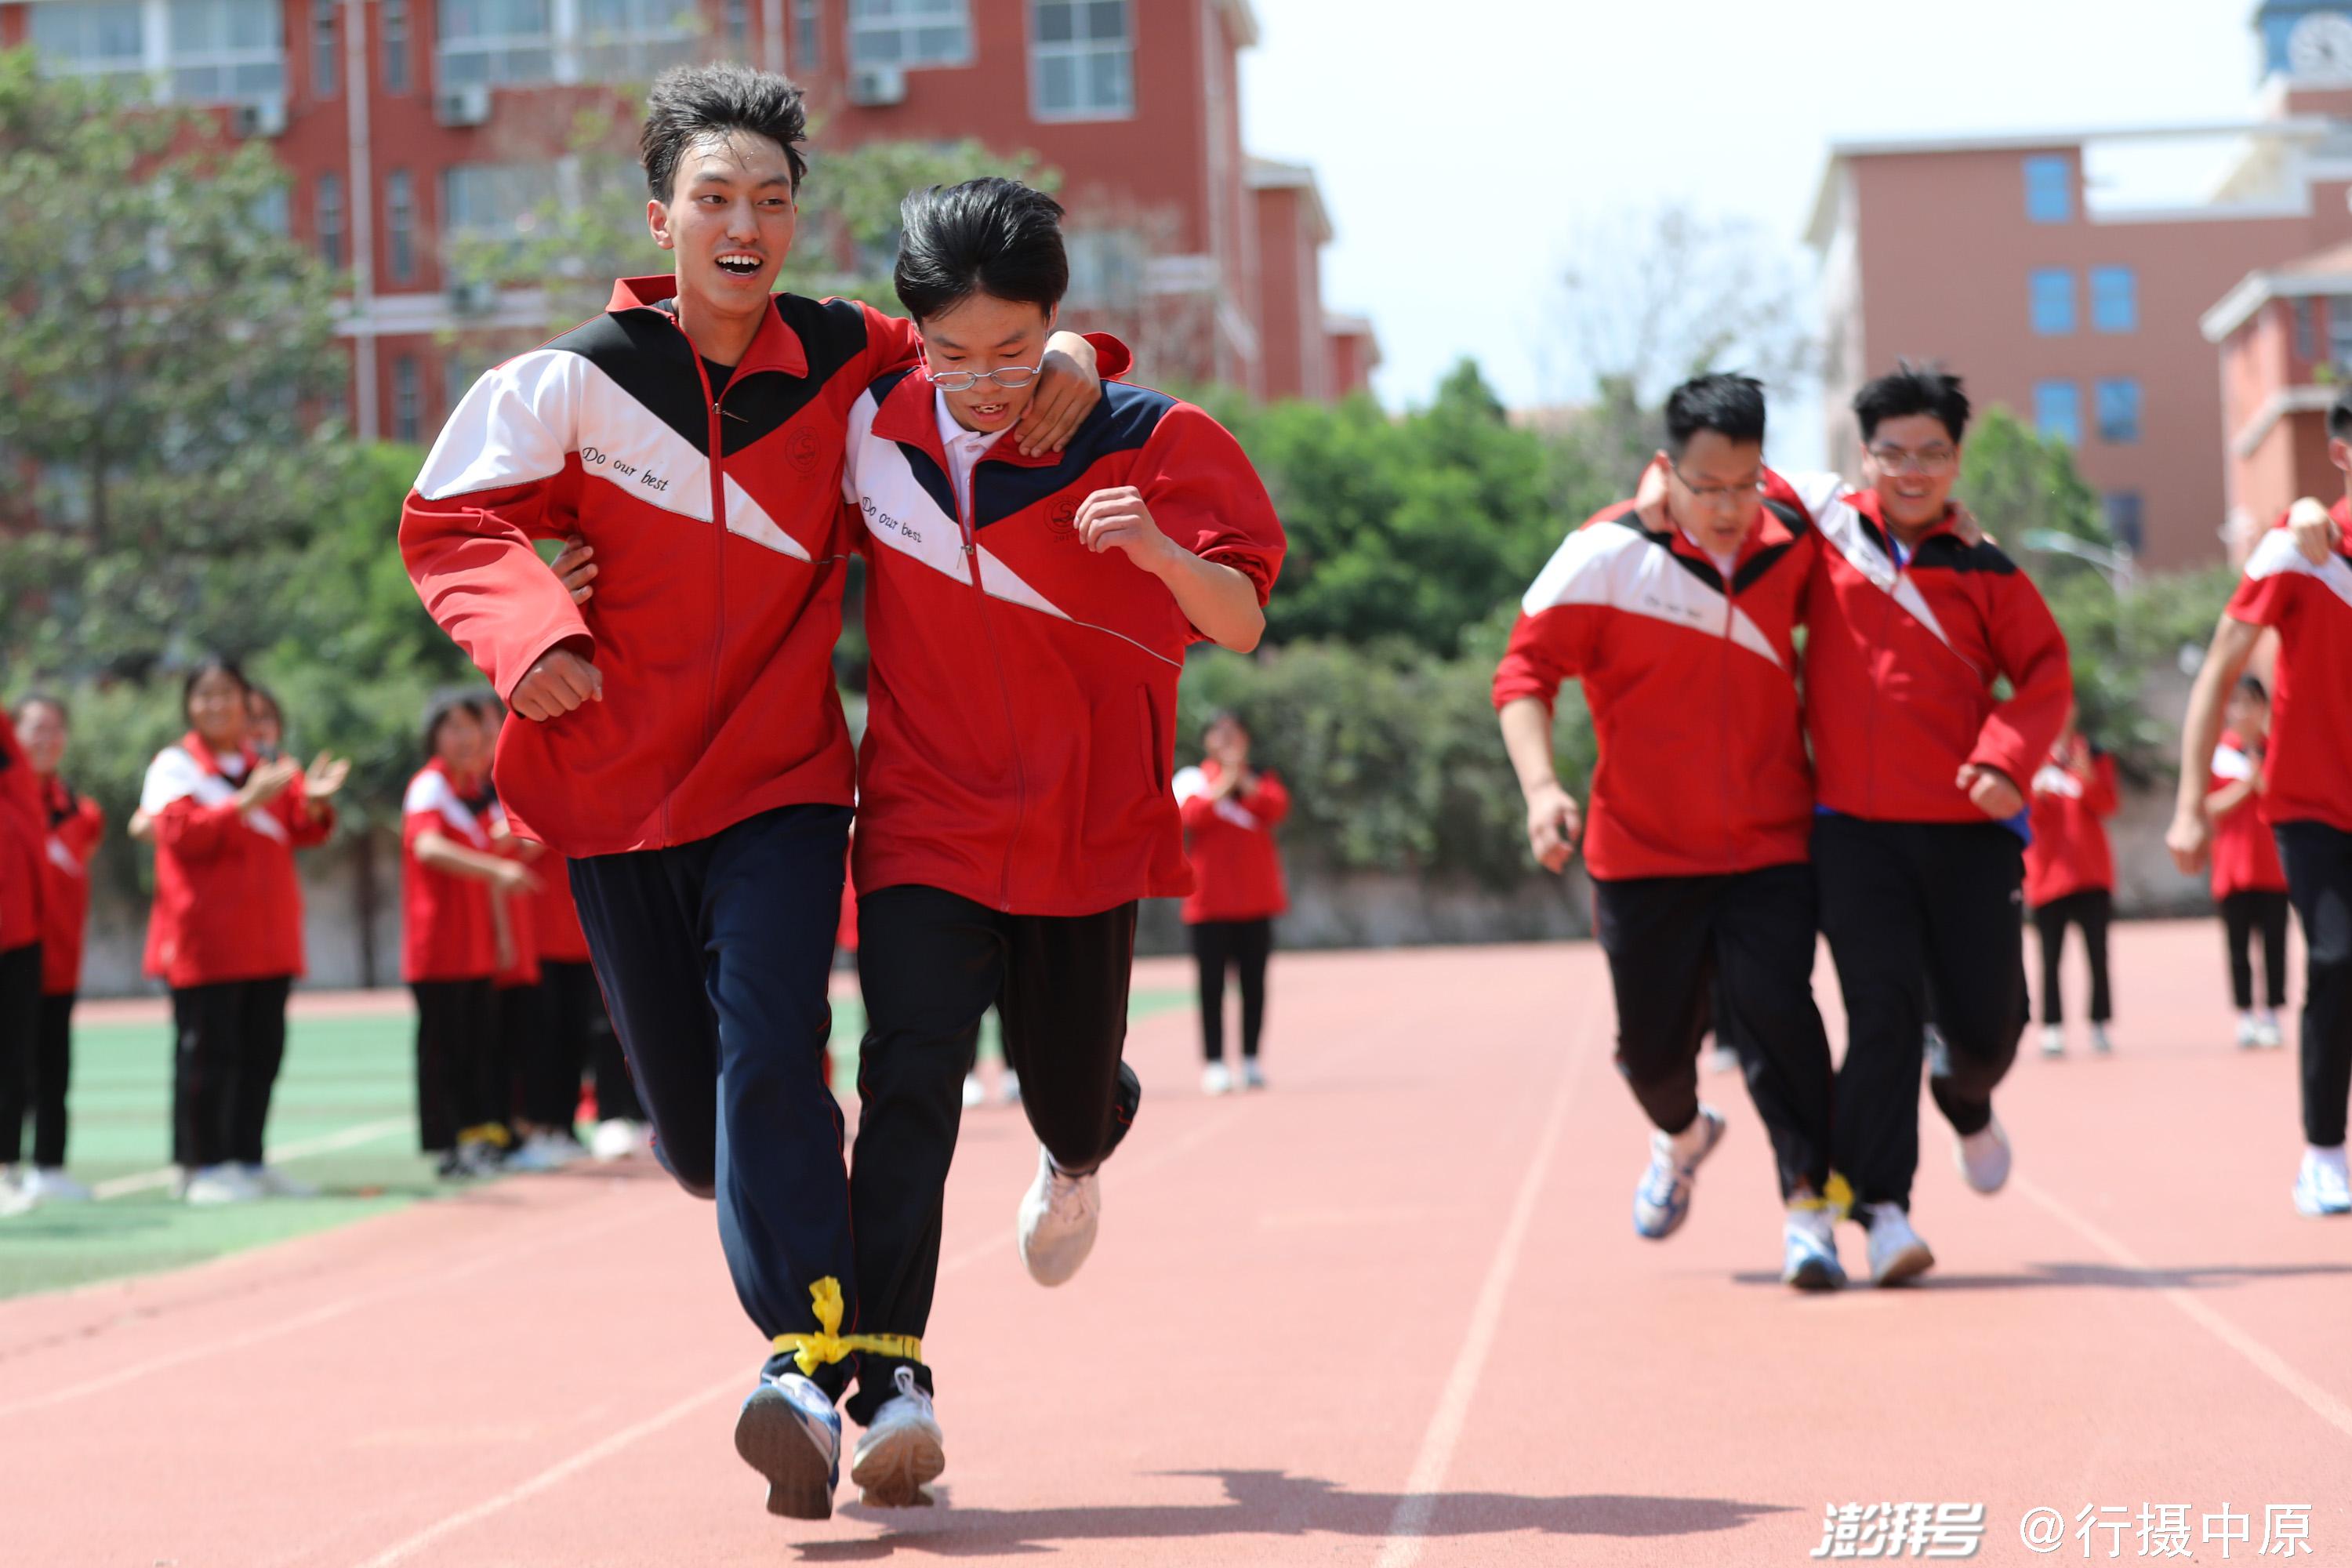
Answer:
(221, 1184)
(2053, 1040)
(973, 1093)
(903, 1450)
(1059, 1217)
(269, 1181)
(2322, 1188)
(1809, 1258)
(1217, 1079)
(1983, 1157)
(616, 1139)
(1252, 1075)
(1008, 1089)
(13, 1198)
(2271, 1037)
(1662, 1198)
(1896, 1253)
(542, 1151)
(2100, 1044)
(2249, 1033)
(50, 1185)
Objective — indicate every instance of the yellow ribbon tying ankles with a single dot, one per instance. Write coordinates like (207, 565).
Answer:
(829, 1344)
(1838, 1199)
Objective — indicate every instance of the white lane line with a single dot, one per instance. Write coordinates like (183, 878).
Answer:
(300, 1149)
(2266, 1361)
(1418, 1506)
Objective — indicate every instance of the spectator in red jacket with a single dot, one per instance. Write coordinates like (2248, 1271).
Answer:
(225, 932)
(1230, 813)
(2249, 881)
(21, 841)
(2069, 877)
(74, 826)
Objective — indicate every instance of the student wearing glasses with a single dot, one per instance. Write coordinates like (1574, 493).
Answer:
(1679, 621)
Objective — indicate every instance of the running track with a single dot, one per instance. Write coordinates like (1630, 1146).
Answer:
(1391, 1313)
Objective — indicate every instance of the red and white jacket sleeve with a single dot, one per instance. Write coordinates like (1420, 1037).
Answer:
(1206, 495)
(504, 472)
(2030, 651)
(1557, 629)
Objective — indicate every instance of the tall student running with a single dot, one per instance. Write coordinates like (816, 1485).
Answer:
(679, 739)
(2248, 882)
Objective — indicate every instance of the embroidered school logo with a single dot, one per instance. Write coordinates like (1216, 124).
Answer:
(1064, 518)
(804, 452)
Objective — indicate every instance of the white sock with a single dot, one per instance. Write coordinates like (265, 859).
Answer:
(1691, 1138)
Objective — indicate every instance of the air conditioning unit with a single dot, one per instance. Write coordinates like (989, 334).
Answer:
(473, 297)
(874, 87)
(468, 105)
(261, 117)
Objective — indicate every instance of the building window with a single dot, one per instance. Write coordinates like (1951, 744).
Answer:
(496, 42)
(2050, 188)
(400, 226)
(1082, 59)
(910, 33)
(2054, 301)
(494, 200)
(227, 51)
(2058, 411)
(408, 401)
(2339, 330)
(808, 37)
(272, 211)
(2306, 329)
(2118, 402)
(91, 37)
(2115, 299)
(1106, 269)
(620, 39)
(326, 62)
(739, 27)
(392, 26)
(330, 221)
(2125, 520)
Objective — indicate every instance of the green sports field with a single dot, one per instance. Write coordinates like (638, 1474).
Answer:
(345, 1120)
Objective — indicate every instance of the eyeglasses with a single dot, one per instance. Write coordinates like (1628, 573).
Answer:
(1747, 489)
(1930, 460)
(1012, 377)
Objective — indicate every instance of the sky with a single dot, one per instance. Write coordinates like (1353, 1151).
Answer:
(1458, 159)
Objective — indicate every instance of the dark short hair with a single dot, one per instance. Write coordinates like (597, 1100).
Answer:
(991, 235)
(2251, 686)
(2339, 415)
(212, 664)
(1730, 406)
(692, 101)
(1225, 716)
(267, 699)
(37, 698)
(1912, 388)
(446, 705)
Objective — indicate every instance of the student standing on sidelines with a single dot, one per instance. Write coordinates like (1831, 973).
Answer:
(2248, 883)
(1921, 770)
(21, 851)
(73, 826)
(225, 932)
(1683, 638)
(1229, 812)
(680, 741)
(2069, 877)
(2308, 798)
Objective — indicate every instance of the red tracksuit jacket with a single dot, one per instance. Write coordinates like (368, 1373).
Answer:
(1020, 714)
(1237, 871)
(2069, 852)
(75, 827)
(2245, 852)
(555, 917)
(1900, 660)
(718, 525)
(21, 838)
(2310, 752)
(447, 930)
(1692, 686)
(227, 904)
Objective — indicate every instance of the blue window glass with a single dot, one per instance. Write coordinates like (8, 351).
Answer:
(2058, 411)
(2054, 301)
(2119, 411)
(2115, 299)
(2050, 189)
(2125, 520)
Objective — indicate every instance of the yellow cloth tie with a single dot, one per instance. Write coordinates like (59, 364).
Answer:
(1838, 1199)
(828, 1344)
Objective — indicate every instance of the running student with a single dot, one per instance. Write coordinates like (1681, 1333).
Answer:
(20, 953)
(679, 739)
(2307, 797)
(73, 826)
(2248, 883)
(1230, 813)
(2069, 877)
(1701, 803)
(1921, 770)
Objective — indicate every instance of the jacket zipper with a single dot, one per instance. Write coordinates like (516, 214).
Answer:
(717, 559)
(1003, 686)
(1723, 753)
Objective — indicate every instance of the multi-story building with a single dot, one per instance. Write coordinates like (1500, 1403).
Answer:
(2034, 265)
(404, 124)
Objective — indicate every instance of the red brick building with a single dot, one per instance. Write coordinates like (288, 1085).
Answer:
(2286, 338)
(403, 123)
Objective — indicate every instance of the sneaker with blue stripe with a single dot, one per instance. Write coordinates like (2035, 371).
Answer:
(1808, 1260)
(1662, 1201)
(789, 1433)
